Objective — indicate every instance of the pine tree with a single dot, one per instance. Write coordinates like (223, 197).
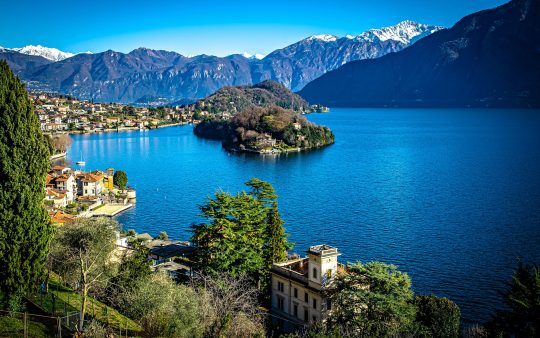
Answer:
(276, 244)
(232, 240)
(25, 229)
(277, 238)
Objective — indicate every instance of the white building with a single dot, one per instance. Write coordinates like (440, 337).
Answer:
(299, 288)
(66, 184)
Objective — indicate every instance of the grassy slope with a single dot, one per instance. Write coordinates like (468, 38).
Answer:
(99, 311)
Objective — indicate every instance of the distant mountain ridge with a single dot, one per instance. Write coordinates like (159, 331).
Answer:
(489, 58)
(51, 54)
(145, 73)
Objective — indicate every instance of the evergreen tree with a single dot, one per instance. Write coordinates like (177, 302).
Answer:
(232, 240)
(25, 229)
(372, 300)
(522, 299)
(120, 179)
(438, 316)
(245, 234)
(277, 244)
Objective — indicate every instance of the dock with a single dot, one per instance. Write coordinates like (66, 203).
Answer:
(110, 210)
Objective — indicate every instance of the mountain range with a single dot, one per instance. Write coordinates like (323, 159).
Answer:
(489, 58)
(146, 74)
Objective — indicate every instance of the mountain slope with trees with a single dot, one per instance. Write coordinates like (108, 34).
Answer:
(490, 58)
(265, 94)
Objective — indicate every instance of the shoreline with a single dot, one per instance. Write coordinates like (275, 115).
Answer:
(58, 156)
(274, 152)
(122, 129)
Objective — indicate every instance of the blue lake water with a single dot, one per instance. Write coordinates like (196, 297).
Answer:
(450, 196)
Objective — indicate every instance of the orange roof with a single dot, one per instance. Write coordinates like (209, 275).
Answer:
(63, 177)
(58, 167)
(92, 178)
(61, 217)
(49, 180)
(55, 193)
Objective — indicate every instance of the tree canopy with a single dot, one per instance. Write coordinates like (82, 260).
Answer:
(82, 252)
(522, 298)
(25, 228)
(120, 179)
(372, 300)
(244, 233)
(438, 316)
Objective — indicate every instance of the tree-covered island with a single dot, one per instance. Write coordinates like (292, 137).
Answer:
(265, 118)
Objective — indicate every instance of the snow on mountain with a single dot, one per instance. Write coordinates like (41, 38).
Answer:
(253, 56)
(404, 32)
(52, 54)
(323, 37)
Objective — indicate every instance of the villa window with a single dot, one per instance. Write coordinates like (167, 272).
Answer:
(306, 297)
(295, 310)
(314, 273)
(315, 303)
(295, 293)
(280, 286)
(306, 314)
(280, 303)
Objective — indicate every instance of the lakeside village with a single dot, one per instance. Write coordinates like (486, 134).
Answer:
(74, 193)
(63, 114)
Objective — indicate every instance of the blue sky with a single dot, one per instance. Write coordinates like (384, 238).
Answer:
(210, 27)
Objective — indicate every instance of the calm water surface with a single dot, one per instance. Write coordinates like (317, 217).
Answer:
(450, 196)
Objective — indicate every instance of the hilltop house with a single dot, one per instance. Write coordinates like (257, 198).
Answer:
(300, 287)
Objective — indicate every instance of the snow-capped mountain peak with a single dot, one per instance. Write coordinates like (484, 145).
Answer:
(323, 37)
(405, 32)
(52, 54)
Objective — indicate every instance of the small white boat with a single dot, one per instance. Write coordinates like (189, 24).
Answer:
(81, 161)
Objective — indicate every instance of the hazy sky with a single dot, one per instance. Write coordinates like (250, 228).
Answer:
(210, 27)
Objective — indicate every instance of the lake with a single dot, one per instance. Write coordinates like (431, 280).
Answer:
(451, 196)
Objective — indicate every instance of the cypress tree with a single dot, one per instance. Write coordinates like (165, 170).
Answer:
(277, 238)
(25, 228)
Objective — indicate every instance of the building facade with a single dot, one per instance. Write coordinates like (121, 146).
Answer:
(300, 288)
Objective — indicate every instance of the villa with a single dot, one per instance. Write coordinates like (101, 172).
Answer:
(300, 288)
